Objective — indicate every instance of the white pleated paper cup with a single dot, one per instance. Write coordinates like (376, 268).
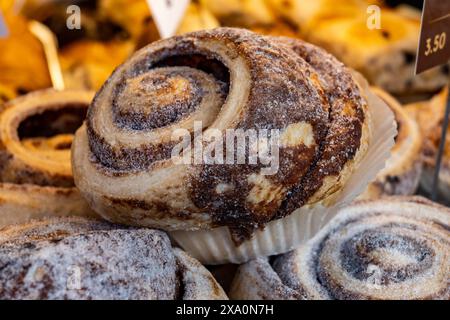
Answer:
(215, 246)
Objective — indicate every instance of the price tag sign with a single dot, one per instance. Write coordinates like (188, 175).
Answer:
(434, 45)
(3, 27)
(168, 15)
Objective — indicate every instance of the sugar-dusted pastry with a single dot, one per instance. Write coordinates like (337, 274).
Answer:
(227, 78)
(81, 259)
(23, 66)
(36, 132)
(401, 176)
(395, 248)
(430, 116)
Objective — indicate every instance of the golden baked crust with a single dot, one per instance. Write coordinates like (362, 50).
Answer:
(75, 258)
(35, 169)
(395, 248)
(121, 157)
(87, 64)
(401, 174)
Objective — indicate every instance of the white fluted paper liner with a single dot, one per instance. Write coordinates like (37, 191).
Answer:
(216, 246)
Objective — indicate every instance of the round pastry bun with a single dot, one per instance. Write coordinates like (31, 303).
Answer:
(77, 258)
(393, 248)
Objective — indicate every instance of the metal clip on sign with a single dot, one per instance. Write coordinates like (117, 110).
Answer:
(434, 50)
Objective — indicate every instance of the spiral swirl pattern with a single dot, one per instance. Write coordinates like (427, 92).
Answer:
(396, 248)
(36, 132)
(227, 79)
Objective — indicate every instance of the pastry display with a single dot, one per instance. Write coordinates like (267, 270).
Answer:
(395, 248)
(36, 133)
(76, 258)
(430, 116)
(402, 172)
(227, 79)
(268, 149)
(23, 67)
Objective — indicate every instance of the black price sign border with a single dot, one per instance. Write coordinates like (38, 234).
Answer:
(434, 50)
(434, 41)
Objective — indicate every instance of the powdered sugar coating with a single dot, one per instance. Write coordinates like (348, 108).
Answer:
(395, 248)
(75, 258)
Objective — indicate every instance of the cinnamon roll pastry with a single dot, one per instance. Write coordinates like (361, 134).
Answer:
(395, 248)
(430, 116)
(401, 175)
(78, 258)
(223, 79)
(36, 132)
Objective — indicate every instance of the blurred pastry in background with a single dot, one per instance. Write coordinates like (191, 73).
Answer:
(430, 116)
(278, 29)
(401, 175)
(6, 93)
(256, 15)
(131, 15)
(241, 13)
(306, 14)
(135, 17)
(54, 14)
(22, 61)
(197, 17)
(87, 64)
(385, 56)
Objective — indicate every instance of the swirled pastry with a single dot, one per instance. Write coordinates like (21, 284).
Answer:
(401, 175)
(430, 116)
(395, 248)
(77, 258)
(222, 80)
(36, 132)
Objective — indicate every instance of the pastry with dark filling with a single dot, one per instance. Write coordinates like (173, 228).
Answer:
(394, 248)
(36, 132)
(227, 79)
